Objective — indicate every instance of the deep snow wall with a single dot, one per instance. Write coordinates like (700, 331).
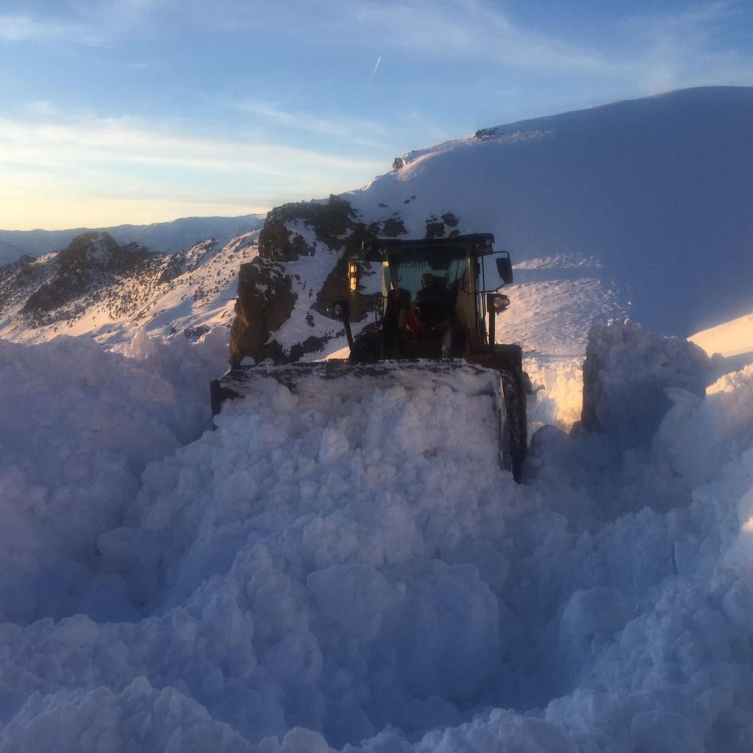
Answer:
(356, 565)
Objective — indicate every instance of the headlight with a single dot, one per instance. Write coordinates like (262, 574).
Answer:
(339, 310)
(500, 302)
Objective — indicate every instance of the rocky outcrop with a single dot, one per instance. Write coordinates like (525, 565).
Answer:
(438, 228)
(92, 262)
(330, 221)
(265, 301)
(266, 295)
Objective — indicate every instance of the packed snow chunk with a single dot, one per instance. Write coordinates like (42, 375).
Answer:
(139, 719)
(699, 438)
(626, 376)
(78, 424)
(500, 731)
(447, 634)
(334, 446)
(590, 619)
(350, 600)
(300, 740)
(558, 389)
(431, 627)
(664, 732)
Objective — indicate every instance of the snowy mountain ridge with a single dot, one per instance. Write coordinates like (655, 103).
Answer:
(108, 291)
(164, 237)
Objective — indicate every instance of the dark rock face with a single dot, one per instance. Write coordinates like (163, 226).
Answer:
(266, 297)
(20, 278)
(329, 220)
(437, 228)
(265, 301)
(485, 133)
(393, 227)
(434, 229)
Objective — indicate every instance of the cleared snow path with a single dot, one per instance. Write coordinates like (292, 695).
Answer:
(353, 571)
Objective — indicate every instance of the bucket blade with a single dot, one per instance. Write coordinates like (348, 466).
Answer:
(353, 380)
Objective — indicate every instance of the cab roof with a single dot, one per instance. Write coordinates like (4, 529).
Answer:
(382, 249)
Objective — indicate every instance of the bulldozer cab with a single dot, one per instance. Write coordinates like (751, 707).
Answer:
(433, 291)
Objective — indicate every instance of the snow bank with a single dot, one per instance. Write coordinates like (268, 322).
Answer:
(558, 389)
(627, 373)
(349, 570)
(79, 426)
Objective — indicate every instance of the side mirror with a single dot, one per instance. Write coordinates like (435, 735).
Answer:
(339, 310)
(504, 268)
(354, 275)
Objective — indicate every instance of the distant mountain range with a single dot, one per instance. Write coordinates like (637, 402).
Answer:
(101, 288)
(166, 237)
(638, 208)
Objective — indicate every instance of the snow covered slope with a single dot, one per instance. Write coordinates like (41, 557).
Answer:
(639, 206)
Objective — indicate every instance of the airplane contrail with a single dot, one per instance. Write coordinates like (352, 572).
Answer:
(373, 73)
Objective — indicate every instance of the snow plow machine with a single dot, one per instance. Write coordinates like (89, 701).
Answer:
(434, 324)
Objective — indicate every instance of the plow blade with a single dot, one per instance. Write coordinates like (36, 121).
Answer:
(350, 382)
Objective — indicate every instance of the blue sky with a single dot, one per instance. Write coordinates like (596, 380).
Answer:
(138, 111)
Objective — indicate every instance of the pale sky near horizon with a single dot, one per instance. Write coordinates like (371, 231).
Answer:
(138, 111)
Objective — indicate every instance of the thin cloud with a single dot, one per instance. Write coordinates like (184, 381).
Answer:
(468, 28)
(92, 165)
(353, 129)
(25, 28)
(42, 108)
(124, 140)
(89, 22)
(673, 50)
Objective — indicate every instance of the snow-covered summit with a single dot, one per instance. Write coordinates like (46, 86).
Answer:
(634, 208)
(652, 193)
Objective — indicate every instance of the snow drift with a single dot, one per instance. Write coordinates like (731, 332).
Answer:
(356, 574)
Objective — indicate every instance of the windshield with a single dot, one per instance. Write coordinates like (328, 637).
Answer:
(424, 281)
